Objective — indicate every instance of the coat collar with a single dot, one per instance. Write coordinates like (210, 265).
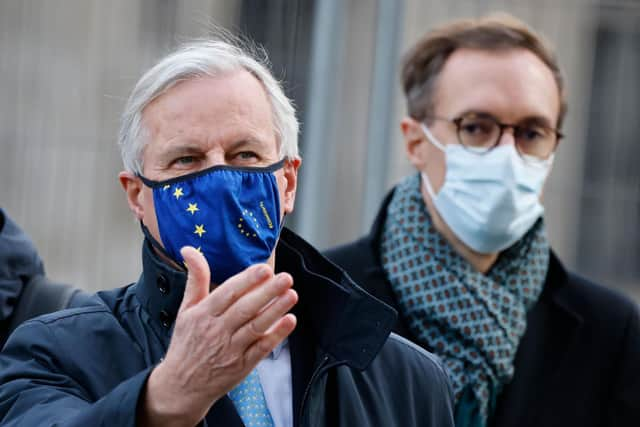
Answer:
(344, 321)
(557, 291)
(375, 233)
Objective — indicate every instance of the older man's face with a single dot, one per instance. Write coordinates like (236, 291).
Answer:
(208, 121)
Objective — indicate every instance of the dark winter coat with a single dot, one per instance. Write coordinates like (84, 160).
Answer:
(88, 366)
(578, 363)
(25, 291)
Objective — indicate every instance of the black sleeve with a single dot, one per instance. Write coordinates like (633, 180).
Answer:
(624, 405)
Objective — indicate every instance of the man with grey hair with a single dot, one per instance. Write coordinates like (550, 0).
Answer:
(213, 332)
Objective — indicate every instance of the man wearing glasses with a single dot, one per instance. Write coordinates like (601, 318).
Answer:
(460, 248)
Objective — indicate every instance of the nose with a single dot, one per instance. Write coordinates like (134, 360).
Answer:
(216, 157)
(508, 135)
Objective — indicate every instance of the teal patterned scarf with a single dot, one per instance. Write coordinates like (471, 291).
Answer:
(473, 321)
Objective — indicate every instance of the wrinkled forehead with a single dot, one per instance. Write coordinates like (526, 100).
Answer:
(231, 106)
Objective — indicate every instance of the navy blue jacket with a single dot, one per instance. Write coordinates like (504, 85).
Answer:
(578, 363)
(19, 262)
(25, 291)
(87, 366)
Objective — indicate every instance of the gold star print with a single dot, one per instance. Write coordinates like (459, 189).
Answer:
(178, 193)
(166, 187)
(255, 221)
(200, 230)
(241, 228)
(199, 249)
(193, 208)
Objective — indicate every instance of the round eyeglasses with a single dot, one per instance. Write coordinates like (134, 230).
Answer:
(482, 132)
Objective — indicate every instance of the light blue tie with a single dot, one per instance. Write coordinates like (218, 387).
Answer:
(250, 403)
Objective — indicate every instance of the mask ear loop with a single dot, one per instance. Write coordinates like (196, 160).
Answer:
(281, 164)
(427, 184)
(157, 246)
(147, 234)
(433, 140)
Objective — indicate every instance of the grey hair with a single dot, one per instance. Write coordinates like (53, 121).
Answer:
(202, 58)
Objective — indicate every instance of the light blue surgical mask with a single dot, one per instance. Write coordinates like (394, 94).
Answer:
(491, 199)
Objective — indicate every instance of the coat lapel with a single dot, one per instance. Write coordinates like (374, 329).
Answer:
(552, 327)
(223, 413)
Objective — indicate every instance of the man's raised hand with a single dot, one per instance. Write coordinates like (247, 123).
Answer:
(218, 338)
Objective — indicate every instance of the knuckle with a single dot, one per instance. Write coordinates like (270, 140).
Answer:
(244, 314)
(232, 294)
(258, 272)
(287, 277)
(254, 330)
(263, 347)
(229, 296)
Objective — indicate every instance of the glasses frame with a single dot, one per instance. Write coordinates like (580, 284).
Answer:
(457, 121)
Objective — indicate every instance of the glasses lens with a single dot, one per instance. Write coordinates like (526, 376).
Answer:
(536, 141)
(478, 132)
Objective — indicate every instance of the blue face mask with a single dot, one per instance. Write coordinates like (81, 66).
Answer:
(488, 200)
(230, 214)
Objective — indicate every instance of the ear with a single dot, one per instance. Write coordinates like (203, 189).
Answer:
(290, 170)
(414, 140)
(132, 186)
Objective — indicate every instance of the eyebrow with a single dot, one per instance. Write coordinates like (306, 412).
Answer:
(246, 142)
(530, 120)
(536, 121)
(179, 151)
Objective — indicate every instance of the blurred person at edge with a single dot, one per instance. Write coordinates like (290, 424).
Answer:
(234, 320)
(25, 290)
(460, 248)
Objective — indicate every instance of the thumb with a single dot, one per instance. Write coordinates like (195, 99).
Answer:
(198, 277)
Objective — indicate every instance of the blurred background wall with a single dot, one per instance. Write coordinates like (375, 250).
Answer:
(66, 68)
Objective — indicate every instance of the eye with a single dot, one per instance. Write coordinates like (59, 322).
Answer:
(476, 127)
(532, 134)
(185, 160)
(247, 155)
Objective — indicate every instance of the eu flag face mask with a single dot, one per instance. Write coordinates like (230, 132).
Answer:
(230, 214)
(488, 200)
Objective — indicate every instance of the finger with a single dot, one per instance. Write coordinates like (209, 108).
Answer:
(274, 336)
(254, 301)
(225, 295)
(257, 327)
(198, 277)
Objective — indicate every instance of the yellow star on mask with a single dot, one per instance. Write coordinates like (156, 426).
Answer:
(193, 208)
(166, 187)
(200, 230)
(178, 193)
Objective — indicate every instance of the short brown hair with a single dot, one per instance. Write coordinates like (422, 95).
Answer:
(424, 61)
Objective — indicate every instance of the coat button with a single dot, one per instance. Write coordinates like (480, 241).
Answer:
(165, 319)
(163, 284)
